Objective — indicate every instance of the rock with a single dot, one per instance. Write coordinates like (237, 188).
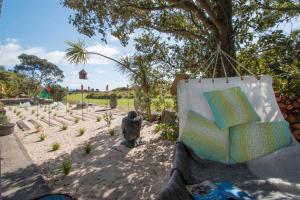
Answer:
(131, 127)
(296, 126)
(113, 102)
(168, 117)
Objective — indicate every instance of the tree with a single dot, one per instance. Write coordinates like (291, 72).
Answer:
(40, 71)
(206, 23)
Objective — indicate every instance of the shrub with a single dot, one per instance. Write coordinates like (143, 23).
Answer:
(55, 146)
(167, 132)
(50, 111)
(76, 120)
(15, 110)
(66, 167)
(42, 137)
(64, 127)
(112, 132)
(87, 148)
(18, 113)
(108, 118)
(81, 131)
(98, 118)
(54, 114)
(4, 119)
(33, 111)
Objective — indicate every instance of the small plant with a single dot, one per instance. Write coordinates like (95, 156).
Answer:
(42, 137)
(81, 131)
(64, 127)
(167, 132)
(36, 115)
(54, 114)
(15, 110)
(68, 111)
(98, 118)
(50, 111)
(112, 132)
(33, 111)
(18, 113)
(55, 146)
(43, 117)
(4, 119)
(71, 113)
(87, 148)
(38, 128)
(76, 120)
(108, 118)
(20, 116)
(66, 167)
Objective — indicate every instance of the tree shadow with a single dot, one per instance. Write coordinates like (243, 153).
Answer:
(105, 173)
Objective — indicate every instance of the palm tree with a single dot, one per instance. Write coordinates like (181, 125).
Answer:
(76, 53)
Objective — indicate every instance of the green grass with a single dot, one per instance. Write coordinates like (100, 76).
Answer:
(42, 137)
(122, 103)
(81, 131)
(87, 148)
(66, 167)
(55, 146)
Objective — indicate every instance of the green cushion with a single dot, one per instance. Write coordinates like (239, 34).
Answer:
(230, 107)
(255, 139)
(205, 138)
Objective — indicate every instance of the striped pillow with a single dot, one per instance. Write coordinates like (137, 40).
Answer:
(230, 107)
(205, 138)
(255, 139)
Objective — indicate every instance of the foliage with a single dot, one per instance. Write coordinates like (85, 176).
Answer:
(66, 167)
(1, 105)
(4, 119)
(55, 146)
(112, 132)
(81, 131)
(32, 112)
(41, 71)
(108, 118)
(64, 127)
(167, 132)
(42, 137)
(87, 148)
(18, 113)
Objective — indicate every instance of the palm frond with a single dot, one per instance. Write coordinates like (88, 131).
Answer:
(76, 52)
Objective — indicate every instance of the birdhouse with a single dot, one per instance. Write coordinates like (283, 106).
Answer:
(82, 74)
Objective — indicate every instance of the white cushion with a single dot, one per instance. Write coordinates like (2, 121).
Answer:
(259, 92)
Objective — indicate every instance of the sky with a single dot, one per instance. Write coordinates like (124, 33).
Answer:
(41, 28)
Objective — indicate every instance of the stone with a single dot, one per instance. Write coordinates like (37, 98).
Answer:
(113, 102)
(168, 117)
(131, 127)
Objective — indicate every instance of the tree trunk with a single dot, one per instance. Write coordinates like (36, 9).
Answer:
(226, 37)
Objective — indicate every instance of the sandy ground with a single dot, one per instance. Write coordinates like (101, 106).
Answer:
(105, 173)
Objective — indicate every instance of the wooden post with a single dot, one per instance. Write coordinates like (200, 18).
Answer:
(107, 95)
(81, 102)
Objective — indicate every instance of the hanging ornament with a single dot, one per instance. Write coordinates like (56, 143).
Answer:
(82, 74)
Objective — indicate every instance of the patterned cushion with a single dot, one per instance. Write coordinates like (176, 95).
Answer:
(205, 138)
(255, 139)
(230, 107)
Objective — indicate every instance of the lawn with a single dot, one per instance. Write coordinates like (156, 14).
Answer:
(124, 104)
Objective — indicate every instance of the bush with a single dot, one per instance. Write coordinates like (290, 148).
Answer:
(81, 131)
(87, 148)
(98, 118)
(18, 113)
(33, 111)
(55, 146)
(167, 132)
(108, 118)
(42, 137)
(112, 132)
(64, 127)
(15, 110)
(66, 167)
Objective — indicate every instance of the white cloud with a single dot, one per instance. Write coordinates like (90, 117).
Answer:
(11, 49)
